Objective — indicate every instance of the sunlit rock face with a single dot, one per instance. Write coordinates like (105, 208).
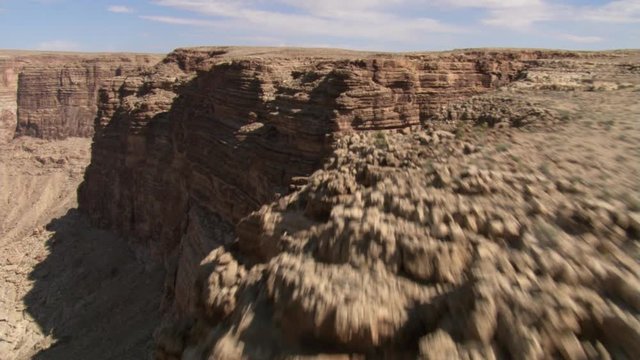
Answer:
(453, 229)
(54, 95)
(228, 128)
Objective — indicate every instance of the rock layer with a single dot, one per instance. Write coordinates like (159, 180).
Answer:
(54, 96)
(8, 98)
(423, 242)
(227, 129)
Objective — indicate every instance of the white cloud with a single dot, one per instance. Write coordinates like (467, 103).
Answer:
(399, 22)
(58, 45)
(520, 17)
(490, 4)
(121, 9)
(48, 2)
(620, 11)
(354, 19)
(521, 14)
(178, 21)
(582, 39)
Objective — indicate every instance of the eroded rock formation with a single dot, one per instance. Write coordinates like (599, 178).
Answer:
(435, 240)
(8, 98)
(54, 95)
(228, 129)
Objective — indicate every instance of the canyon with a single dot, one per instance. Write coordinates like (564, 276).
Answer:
(54, 95)
(315, 203)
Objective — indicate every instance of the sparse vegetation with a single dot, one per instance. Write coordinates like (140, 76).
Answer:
(606, 124)
(632, 202)
(564, 115)
(380, 140)
(545, 169)
(545, 231)
(460, 131)
(502, 147)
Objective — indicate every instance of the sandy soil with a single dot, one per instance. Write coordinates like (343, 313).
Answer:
(67, 290)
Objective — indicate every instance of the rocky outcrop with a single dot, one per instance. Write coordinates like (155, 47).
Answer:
(224, 130)
(54, 96)
(411, 244)
(8, 98)
(470, 237)
(387, 251)
(228, 129)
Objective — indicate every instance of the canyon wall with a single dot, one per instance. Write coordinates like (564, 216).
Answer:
(211, 134)
(54, 95)
(8, 98)
(226, 130)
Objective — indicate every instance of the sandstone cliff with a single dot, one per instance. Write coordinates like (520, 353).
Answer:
(227, 129)
(54, 95)
(429, 242)
(8, 98)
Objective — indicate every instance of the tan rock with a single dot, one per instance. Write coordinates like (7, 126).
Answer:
(438, 345)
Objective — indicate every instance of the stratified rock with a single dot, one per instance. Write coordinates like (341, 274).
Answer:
(453, 239)
(54, 95)
(228, 128)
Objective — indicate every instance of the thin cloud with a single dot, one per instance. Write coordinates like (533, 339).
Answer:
(582, 39)
(522, 14)
(178, 20)
(48, 2)
(399, 24)
(120, 9)
(521, 17)
(357, 19)
(490, 4)
(621, 11)
(58, 45)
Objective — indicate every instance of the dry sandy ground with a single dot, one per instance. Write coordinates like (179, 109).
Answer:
(67, 290)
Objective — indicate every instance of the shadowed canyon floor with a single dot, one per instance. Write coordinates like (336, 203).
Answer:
(312, 204)
(67, 290)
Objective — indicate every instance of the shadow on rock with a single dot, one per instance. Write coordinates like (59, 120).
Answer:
(92, 295)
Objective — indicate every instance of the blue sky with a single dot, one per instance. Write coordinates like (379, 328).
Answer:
(393, 25)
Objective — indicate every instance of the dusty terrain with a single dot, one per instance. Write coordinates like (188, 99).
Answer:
(300, 204)
(67, 290)
(506, 226)
(456, 241)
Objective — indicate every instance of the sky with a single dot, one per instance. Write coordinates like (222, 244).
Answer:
(383, 25)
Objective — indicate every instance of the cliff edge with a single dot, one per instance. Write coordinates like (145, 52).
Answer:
(54, 95)
(311, 203)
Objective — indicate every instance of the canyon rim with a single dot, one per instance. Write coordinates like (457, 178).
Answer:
(290, 203)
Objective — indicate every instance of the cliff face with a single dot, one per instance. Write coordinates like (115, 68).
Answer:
(8, 98)
(428, 240)
(210, 134)
(226, 130)
(54, 96)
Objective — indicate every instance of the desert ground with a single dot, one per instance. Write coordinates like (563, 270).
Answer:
(68, 290)
(505, 226)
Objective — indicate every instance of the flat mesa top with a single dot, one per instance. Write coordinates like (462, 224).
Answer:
(209, 55)
(280, 52)
(54, 57)
(266, 51)
(17, 52)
